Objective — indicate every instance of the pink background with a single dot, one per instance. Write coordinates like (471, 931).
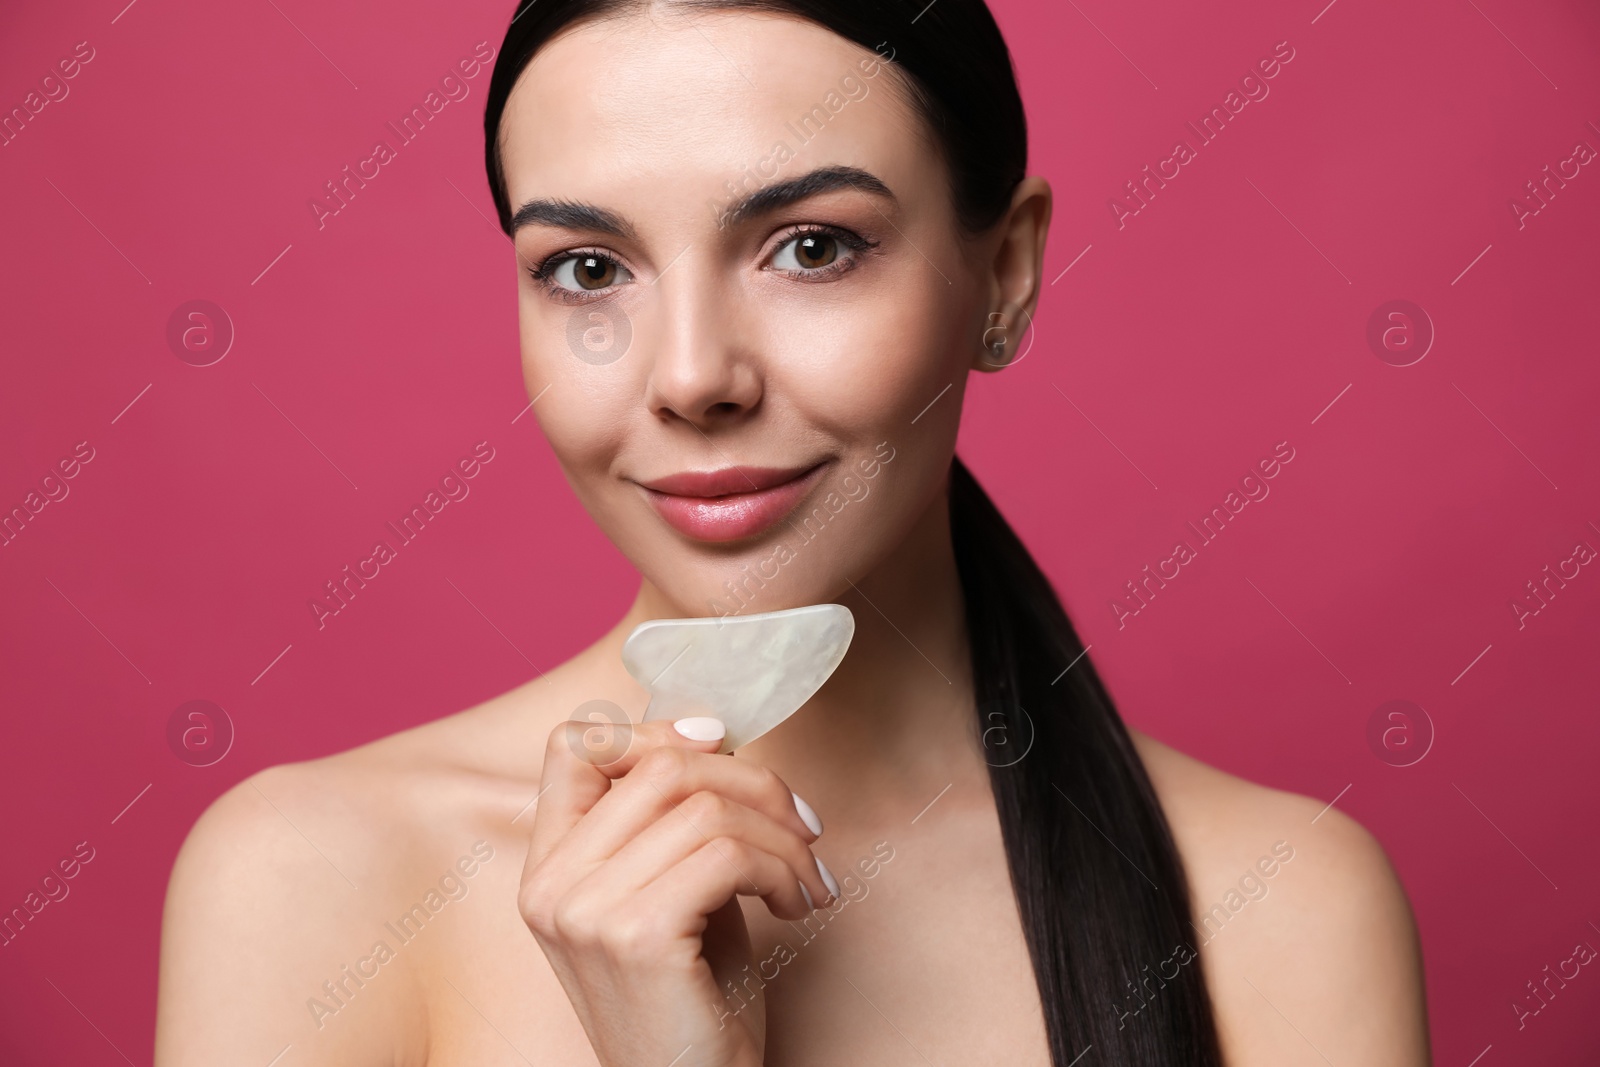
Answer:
(1224, 317)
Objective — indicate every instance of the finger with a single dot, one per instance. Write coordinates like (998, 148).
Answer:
(704, 817)
(582, 759)
(722, 868)
(666, 777)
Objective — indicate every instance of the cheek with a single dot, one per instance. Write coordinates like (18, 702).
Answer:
(888, 369)
(534, 338)
(585, 421)
(865, 370)
(582, 394)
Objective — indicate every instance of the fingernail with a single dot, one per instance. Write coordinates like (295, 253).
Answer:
(827, 877)
(807, 815)
(807, 894)
(701, 728)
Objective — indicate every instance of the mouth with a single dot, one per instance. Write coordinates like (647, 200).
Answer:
(730, 503)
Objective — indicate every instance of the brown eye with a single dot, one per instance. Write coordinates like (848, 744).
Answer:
(809, 251)
(586, 273)
(592, 272)
(817, 250)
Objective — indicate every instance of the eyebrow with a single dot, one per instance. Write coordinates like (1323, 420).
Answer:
(573, 215)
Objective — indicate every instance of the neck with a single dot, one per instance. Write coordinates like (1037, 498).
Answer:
(893, 725)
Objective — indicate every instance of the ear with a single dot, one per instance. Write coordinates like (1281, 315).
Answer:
(1015, 263)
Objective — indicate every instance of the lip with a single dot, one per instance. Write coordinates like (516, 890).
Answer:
(730, 503)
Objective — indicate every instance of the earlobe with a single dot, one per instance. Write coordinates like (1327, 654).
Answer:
(993, 349)
(999, 349)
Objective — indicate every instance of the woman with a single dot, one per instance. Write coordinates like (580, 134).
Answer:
(760, 246)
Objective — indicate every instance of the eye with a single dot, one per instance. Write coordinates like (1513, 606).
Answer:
(808, 251)
(818, 251)
(579, 273)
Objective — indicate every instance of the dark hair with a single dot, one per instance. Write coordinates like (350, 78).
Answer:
(1100, 888)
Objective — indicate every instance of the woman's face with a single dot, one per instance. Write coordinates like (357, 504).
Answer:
(676, 327)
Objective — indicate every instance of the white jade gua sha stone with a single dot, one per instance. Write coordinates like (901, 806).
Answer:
(750, 671)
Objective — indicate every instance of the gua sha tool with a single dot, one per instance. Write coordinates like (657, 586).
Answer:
(750, 671)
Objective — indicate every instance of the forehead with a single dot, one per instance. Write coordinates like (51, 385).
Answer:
(675, 104)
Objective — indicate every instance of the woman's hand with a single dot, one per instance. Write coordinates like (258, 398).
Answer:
(630, 886)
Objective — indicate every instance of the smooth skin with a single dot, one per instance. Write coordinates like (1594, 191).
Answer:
(615, 887)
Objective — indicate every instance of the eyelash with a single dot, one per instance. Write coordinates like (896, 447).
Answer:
(542, 274)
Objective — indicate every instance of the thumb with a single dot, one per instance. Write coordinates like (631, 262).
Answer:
(702, 732)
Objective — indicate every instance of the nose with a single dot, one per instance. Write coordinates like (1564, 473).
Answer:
(702, 372)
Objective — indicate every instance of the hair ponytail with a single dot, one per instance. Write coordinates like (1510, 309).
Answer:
(1099, 886)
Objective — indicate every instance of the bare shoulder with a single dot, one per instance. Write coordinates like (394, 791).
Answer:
(305, 877)
(1307, 939)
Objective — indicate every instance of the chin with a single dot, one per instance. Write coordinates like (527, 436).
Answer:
(773, 575)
